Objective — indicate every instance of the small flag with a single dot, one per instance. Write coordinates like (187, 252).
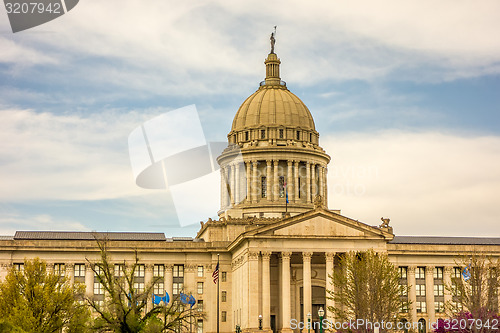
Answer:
(158, 299)
(192, 301)
(184, 298)
(466, 273)
(286, 193)
(215, 274)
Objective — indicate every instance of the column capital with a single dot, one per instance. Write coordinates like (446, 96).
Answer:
(190, 267)
(329, 256)
(448, 269)
(169, 266)
(429, 268)
(253, 255)
(268, 162)
(285, 255)
(411, 269)
(289, 162)
(307, 255)
(266, 255)
(254, 163)
(148, 267)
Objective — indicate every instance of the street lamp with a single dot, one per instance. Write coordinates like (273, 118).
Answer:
(260, 322)
(321, 313)
(309, 322)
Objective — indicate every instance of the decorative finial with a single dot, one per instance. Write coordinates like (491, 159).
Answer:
(273, 40)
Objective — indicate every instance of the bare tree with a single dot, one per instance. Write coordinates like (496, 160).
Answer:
(125, 308)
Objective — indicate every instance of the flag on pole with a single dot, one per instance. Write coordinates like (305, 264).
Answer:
(215, 274)
(286, 192)
(191, 301)
(466, 273)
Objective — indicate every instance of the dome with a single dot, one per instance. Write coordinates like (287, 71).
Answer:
(273, 113)
(272, 106)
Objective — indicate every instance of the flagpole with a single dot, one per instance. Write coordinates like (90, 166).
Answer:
(218, 278)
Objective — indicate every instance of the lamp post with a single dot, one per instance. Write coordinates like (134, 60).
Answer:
(309, 322)
(260, 322)
(321, 313)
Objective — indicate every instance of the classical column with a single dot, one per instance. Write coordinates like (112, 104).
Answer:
(169, 280)
(296, 181)
(223, 189)
(254, 182)
(412, 294)
(308, 182)
(232, 182)
(314, 188)
(276, 193)
(70, 272)
(329, 256)
(285, 292)
(266, 291)
(253, 290)
(307, 289)
(325, 172)
(429, 293)
(249, 182)
(321, 183)
(269, 180)
(447, 282)
(289, 181)
(237, 184)
(148, 279)
(89, 280)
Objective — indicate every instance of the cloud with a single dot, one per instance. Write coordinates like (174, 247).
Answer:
(428, 183)
(10, 222)
(67, 157)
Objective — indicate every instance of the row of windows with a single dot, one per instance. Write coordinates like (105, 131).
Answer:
(422, 307)
(420, 272)
(281, 135)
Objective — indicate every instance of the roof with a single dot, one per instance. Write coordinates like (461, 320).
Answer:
(445, 240)
(70, 235)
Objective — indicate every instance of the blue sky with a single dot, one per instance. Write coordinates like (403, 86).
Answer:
(405, 96)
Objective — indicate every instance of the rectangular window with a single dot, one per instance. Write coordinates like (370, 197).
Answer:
(246, 136)
(439, 307)
(281, 133)
(178, 271)
(282, 186)
(199, 326)
(200, 271)
(263, 186)
(119, 270)
(158, 288)
(159, 270)
(457, 272)
(139, 271)
(421, 307)
(404, 307)
(199, 307)
(298, 183)
(98, 288)
(59, 269)
(438, 290)
(420, 289)
(224, 296)
(420, 273)
(177, 288)
(298, 135)
(139, 287)
(97, 270)
(223, 316)
(200, 288)
(262, 134)
(79, 270)
(438, 273)
(223, 277)
(403, 272)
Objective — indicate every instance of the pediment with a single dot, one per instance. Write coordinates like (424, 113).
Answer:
(321, 223)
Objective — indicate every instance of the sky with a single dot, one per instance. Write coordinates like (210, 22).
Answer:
(405, 96)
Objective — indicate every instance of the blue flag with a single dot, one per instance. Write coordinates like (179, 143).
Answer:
(466, 273)
(158, 299)
(192, 301)
(184, 298)
(286, 193)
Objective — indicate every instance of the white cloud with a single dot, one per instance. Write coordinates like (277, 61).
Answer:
(10, 222)
(67, 157)
(427, 183)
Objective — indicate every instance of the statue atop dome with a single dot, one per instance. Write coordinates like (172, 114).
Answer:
(273, 40)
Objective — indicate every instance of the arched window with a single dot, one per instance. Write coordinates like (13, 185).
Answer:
(421, 325)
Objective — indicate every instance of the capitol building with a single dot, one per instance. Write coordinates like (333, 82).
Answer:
(275, 236)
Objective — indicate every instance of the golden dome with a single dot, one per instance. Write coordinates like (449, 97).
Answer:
(273, 107)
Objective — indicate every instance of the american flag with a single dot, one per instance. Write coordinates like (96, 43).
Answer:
(215, 274)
